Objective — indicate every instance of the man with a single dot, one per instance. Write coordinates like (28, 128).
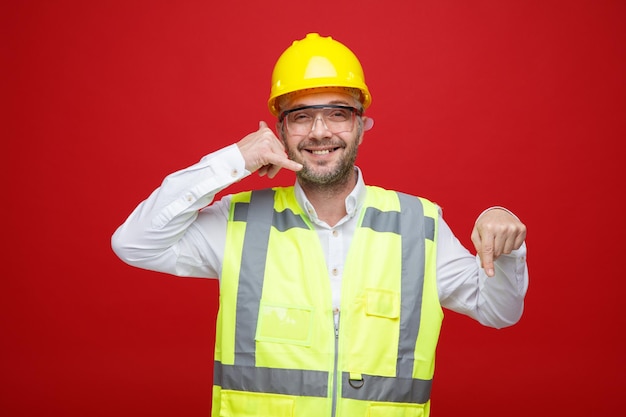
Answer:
(331, 291)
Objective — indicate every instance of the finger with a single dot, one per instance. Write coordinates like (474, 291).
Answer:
(272, 170)
(262, 171)
(521, 237)
(514, 239)
(519, 240)
(486, 253)
(499, 245)
(280, 160)
(476, 240)
(508, 245)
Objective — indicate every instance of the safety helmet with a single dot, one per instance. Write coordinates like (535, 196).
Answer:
(315, 62)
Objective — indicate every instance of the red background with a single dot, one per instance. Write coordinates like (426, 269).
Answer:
(476, 103)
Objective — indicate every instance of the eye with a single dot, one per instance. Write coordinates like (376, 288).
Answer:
(300, 117)
(339, 115)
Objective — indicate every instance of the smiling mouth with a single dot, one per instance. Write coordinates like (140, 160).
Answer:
(321, 151)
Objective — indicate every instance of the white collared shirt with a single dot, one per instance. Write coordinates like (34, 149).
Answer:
(177, 230)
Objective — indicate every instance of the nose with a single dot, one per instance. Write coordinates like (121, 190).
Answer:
(320, 129)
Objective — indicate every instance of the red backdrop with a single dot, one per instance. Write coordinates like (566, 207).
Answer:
(476, 103)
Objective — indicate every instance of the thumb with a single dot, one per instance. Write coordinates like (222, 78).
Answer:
(262, 125)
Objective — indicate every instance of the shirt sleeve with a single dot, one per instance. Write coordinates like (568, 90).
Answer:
(465, 288)
(175, 230)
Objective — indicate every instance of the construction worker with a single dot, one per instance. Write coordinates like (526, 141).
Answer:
(331, 290)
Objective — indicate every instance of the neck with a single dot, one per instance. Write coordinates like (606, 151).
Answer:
(329, 200)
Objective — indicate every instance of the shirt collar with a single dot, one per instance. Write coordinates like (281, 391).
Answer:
(354, 200)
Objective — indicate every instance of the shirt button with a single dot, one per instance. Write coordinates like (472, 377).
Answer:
(189, 197)
(335, 271)
(234, 173)
(335, 233)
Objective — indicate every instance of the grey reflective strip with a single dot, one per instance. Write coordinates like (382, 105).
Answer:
(381, 221)
(287, 219)
(413, 245)
(272, 380)
(240, 213)
(429, 228)
(380, 388)
(251, 274)
(282, 220)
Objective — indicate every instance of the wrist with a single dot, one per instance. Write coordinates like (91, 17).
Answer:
(496, 208)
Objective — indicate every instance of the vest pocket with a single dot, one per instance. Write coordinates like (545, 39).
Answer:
(284, 324)
(374, 312)
(251, 404)
(400, 410)
(382, 303)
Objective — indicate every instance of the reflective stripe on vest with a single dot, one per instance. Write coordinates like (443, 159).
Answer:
(314, 384)
(260, 216)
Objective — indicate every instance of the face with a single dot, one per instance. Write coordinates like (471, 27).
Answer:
(327, 158)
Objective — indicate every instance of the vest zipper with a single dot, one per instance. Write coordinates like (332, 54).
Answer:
(335, 367)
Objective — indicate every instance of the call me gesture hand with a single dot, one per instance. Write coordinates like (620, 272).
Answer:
(496, 232)
(265, 153)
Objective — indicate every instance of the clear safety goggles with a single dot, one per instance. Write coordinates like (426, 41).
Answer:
(336, 118)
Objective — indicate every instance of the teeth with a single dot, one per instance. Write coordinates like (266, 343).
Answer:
(324, 152)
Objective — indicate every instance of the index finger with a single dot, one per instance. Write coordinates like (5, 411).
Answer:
(485, 244)
(278, 161)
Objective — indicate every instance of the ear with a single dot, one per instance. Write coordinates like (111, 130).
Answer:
(368, 123)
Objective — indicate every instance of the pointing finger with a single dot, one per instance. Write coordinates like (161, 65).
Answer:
(487, 256)
(484, 244)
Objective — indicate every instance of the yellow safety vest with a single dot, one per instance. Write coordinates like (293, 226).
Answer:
(278, 352)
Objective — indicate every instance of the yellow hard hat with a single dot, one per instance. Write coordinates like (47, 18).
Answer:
(315, 62)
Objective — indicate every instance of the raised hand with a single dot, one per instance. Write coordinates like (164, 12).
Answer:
(265, 153)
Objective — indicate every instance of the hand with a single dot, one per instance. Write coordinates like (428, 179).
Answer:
(496, 232)
(264, 152)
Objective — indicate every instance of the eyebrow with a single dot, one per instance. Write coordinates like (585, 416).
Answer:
(341, 102)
